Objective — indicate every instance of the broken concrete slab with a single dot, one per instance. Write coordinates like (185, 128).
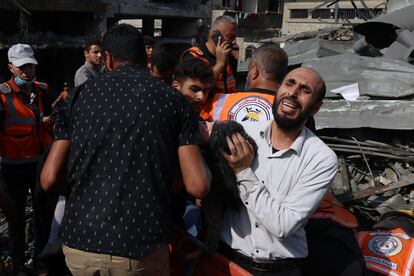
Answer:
(381, 114)
(376, 77)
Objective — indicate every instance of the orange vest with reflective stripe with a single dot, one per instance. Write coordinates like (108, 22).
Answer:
(221, 84)
(331, 208)
(239, 107)
(23, 138)
(389, 252)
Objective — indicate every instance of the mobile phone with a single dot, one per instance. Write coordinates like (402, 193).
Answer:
(215, 37)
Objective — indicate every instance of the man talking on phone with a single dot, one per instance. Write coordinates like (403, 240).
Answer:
(218, 52)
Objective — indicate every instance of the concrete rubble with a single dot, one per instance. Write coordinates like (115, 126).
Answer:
(367, 113)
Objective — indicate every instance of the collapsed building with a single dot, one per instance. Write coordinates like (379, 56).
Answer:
(368, 109)
(58, 29)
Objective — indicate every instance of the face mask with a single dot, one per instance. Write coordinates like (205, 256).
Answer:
(21, 82)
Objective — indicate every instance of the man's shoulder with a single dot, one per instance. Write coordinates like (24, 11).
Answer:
(317, 148)
(81, 69)
(41, 85)
(194, 52)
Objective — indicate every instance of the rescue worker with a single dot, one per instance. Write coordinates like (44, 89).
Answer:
(266, 70)
(25, 134)
(389, 248)
(218, 52)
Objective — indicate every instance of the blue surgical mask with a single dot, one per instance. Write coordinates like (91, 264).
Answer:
(21, 82)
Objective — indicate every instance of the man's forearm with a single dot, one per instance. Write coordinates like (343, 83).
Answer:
(53, 174)
(196, 175)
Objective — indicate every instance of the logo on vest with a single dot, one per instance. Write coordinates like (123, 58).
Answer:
(385, 246)
(251, 109)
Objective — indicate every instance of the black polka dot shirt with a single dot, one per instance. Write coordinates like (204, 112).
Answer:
(125, 128)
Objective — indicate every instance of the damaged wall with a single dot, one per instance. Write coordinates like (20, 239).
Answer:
(58, 29)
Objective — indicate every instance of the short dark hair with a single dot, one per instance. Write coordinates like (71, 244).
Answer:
(163, 60)
(272, 60)
(90, 43)
(194, 69)
(125, 43)
(148, 40)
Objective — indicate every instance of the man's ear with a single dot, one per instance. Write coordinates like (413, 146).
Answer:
(109, 61)
(176, 85)
(255, 73)
(85, 53)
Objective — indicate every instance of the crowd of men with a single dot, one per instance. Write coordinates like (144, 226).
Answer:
(132, 137)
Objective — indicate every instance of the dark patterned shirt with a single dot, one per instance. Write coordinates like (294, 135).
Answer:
(125, 128)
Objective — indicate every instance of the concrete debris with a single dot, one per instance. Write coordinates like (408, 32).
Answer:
(383, 30)
(377, 78)
(313, 48)
(373, 133)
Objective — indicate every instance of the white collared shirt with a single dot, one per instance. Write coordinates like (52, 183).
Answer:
(279, 193)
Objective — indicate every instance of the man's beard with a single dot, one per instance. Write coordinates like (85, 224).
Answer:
(286, 123)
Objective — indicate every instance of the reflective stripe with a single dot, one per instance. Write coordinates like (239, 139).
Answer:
(14, 120)
(5, 89)
(334, 218)
(10, 105)
(361, 236)
(219, 106)
(7, 160)
(20, 121)
(380, 268)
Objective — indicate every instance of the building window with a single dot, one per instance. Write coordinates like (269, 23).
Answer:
(330, 13)
(298, 14)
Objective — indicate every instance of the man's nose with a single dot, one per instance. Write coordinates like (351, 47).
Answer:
(293, 91)
(200, 96)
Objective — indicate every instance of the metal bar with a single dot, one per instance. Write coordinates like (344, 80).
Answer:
(405, 181)
(395, 152)
(409, 159)
(368, 9)
(346, 183)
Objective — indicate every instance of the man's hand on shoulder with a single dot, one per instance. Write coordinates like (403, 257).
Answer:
(242, 153)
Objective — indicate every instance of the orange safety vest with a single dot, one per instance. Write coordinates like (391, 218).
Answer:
(222, 85)
(389, 252)
(23, 137)
(331, 208)
(239, 107)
